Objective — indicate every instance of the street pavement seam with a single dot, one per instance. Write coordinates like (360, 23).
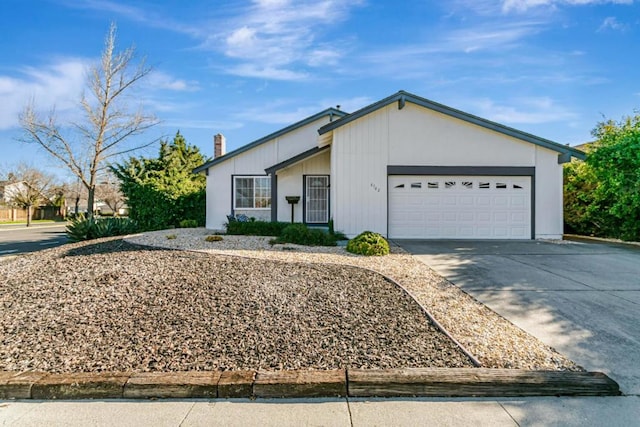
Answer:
(189, 413)
(508, 413)
(349, 411)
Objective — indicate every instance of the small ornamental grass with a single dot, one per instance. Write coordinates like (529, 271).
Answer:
(368, 243)
(213, 238)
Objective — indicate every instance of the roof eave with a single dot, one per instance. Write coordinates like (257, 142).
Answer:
(402, 97)
(328, 112)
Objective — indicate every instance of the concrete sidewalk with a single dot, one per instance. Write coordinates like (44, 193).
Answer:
(595, 411)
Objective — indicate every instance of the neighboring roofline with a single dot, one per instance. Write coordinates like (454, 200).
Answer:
(402, 97)
(295, 159)
(328, 112)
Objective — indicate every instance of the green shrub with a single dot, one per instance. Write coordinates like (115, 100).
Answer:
(172, 236)
(78, 228)
(368, 243)
(81, 228)
(188, 223)
(302, 235)
(213, 238)
(256, 228)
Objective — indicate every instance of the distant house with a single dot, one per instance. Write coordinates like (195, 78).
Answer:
(405, 167)
(9, 190)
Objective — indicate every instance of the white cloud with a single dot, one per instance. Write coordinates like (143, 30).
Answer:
(285, 112)
(270, 73)
(611, 23)
(58, 84)
(493, 7)
(161, 80)
(145, 15)
(523, 5)
(273, 39)
(489, 36)
(323, 57)
(529, 110)
(202, 124)
(278, 112)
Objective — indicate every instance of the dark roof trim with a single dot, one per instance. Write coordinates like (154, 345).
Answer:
(331, 112)
(295, 159)
(462, 170)
(402, 97)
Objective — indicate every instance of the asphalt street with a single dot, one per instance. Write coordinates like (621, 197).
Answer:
(19, 239)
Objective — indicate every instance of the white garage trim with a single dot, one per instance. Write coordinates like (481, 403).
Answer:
(461, 186)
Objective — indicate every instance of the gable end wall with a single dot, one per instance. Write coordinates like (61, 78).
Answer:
(416, 136)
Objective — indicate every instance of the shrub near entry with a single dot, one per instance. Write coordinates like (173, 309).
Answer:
(256, 228)
(302, 235)
(188, 223)
(368, 243)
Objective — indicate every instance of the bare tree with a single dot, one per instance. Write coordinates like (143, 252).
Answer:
(107, 124)
(28, 187)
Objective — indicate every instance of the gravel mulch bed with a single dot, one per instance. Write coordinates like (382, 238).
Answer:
(110, 305)
(492, 339)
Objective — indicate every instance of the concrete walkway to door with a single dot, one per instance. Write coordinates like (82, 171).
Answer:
(583, 299)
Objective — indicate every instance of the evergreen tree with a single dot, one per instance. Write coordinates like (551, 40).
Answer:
(163, 191)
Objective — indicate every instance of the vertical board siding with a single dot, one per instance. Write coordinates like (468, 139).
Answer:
(359, 180)
(254, 162)
(418, 136)
(548, 195)
(290, 183)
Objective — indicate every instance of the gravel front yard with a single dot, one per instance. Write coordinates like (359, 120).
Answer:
(114, 306)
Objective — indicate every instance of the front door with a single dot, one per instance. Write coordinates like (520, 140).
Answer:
(316, 199)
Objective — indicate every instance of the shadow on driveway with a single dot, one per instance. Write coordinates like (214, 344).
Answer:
(583, 299)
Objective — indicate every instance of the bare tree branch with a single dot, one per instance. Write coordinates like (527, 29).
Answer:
(108, 124)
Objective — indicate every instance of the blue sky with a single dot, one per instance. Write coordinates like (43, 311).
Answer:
(553, 68)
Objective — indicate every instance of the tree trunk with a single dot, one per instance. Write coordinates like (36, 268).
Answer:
(90, 199)
(77, 205)
(28, 215)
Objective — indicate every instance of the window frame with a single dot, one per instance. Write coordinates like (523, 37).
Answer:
(254, 195)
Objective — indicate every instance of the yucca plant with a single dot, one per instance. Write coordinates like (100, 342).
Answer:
(78, 228)
(81, 228)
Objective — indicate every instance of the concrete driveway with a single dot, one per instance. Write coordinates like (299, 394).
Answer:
(583, 299)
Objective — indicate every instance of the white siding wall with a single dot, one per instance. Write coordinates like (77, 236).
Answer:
(290, 183)
(424, 137)
(362, 149)
(549, 204)
(359, 176)
(254, 162)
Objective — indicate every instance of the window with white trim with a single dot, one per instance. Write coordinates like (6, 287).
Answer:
(251, 192)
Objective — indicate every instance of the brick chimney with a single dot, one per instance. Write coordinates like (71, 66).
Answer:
(219, 145)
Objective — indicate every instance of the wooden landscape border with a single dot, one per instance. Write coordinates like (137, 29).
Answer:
(432, 382)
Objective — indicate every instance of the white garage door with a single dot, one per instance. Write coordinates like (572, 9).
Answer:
(459, 207)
